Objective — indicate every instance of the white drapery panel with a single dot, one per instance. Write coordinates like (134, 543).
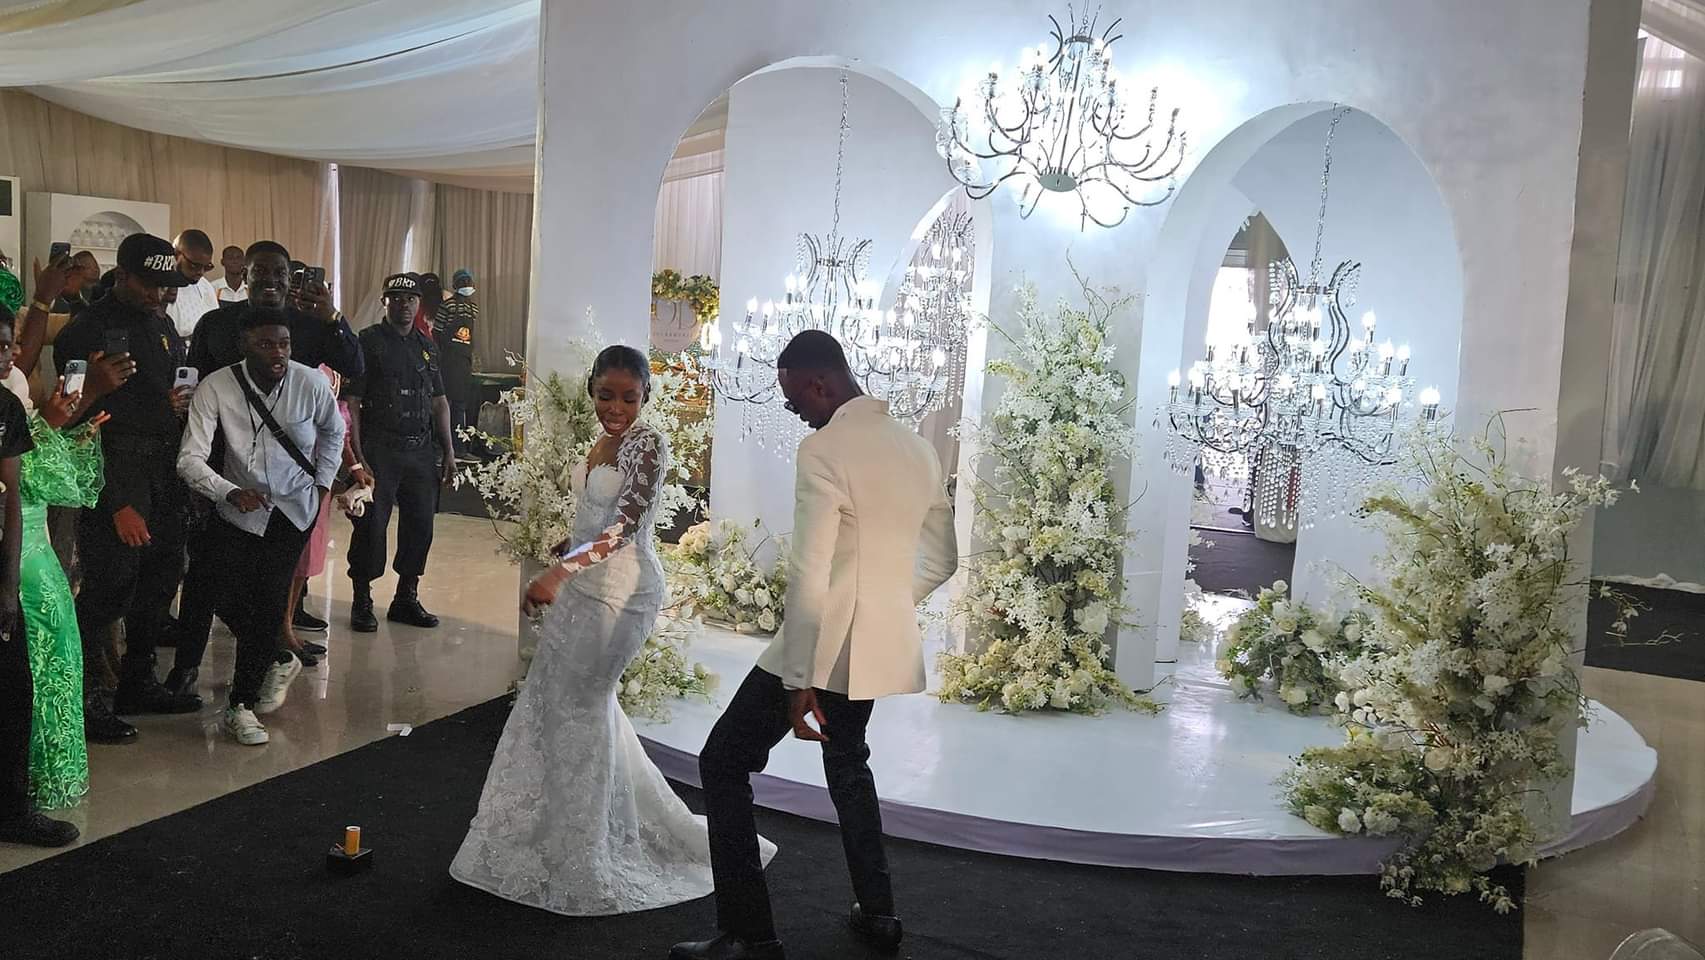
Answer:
(446, 87)
(687, 235)
(492, 235)
(1653, 428)
(375, 212)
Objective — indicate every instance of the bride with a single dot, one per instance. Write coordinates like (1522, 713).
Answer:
(574, 818)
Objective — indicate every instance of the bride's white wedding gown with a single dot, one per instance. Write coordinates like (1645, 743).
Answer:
(574, 818)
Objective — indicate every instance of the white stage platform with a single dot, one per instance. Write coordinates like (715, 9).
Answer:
(1190, 790)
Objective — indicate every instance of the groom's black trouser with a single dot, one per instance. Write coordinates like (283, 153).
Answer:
(739, 746)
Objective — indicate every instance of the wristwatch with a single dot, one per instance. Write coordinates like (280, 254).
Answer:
(43, 307)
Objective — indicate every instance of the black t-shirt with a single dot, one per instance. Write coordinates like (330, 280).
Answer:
(217, 341)
(453, 328)
(142, 407)
(400, 381)
(14, 427)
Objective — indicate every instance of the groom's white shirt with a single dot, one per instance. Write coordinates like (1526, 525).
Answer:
(872, 537)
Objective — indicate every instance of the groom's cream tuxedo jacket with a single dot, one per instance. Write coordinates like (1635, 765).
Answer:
(872, 537)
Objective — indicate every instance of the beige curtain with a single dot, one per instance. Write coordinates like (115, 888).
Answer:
(236, 196)
(490, 234)
(375, 213)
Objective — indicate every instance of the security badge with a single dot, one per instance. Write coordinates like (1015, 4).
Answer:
(165, 344)
(464, 335)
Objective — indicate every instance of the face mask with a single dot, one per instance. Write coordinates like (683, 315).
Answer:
(465, 291)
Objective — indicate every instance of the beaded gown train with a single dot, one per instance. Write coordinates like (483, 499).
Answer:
(574, 818)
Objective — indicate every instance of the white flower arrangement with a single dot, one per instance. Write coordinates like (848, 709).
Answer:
(661, 673)
(1454, 707)
(1041, 603)
(1295, 649)
(527, 487)
(719, 577)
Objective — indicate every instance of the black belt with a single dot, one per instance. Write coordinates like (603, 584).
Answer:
(400, 442)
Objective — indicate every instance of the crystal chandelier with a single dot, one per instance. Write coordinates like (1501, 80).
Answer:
(1062, 123)
(1307, 391)
(907, 356)
(914, 356)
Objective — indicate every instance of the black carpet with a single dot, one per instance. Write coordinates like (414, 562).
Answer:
(1673, 613)
(243, 877)
(1241, 562)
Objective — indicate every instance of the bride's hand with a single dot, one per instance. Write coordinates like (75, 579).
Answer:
(542, 592)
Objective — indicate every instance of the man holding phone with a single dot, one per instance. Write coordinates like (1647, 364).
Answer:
(134, 538)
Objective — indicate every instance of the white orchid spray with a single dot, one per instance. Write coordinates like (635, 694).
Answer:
(1042, 602)
(1467, 677)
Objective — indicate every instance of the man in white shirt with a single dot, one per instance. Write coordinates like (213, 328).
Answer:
(233, 287)
(872, 537)
(195, 261)
(283, 447)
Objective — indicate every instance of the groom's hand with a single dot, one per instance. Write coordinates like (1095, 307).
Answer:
(800, 703)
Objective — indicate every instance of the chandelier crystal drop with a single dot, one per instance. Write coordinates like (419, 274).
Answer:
(1311, 391)
(1063, 122)
(913, 357)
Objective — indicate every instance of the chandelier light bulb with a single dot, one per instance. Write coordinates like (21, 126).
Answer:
(1287, 383)
(1317, 349)
(1198, 379)
(1430, 397)
(1368, 321)
(1394, 396)
(751, 306)
(1403, 353)
(1318, 392)
(792, 283)
(1356, 345)
(1174, 378)
(1386, 350)
(769, 309)
(938, 357)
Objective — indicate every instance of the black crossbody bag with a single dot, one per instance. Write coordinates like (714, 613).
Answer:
(278, 433)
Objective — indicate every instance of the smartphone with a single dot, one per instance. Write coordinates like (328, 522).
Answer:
(76, 371)
(187, 377)
(313, 275)
(57, 250)
(118, 342)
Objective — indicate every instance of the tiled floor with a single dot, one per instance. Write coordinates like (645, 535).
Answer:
(1578, 907)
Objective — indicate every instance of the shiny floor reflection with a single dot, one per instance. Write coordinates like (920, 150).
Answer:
(362, 686)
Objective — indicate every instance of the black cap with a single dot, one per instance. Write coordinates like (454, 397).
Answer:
(402, 284)
(151, 260)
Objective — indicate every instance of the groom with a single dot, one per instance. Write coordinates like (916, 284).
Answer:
(872, 537)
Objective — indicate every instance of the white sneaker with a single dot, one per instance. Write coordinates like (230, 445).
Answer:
(239, 721)
(276, 686)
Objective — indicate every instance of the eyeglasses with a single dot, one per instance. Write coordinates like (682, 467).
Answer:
(203, 267)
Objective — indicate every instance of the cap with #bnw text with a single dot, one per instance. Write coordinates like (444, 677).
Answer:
(151, 260)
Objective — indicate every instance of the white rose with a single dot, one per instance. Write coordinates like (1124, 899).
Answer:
(1295, 696)
(1092, 618)
(1280, 586)
(766, 621)
(1379, 823)
(1440, 759)
(729, 583)
(761, 597)
(1314, 640)
(1348, 821)
(1494, 685)
(634, 687)
(743, 597)
(1342, 702)
(1062, 697)
(1353, 631)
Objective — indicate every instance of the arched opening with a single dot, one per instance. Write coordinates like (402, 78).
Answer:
(1383, 211)
(755, 173)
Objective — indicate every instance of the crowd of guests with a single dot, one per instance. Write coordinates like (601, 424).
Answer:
(164, 437)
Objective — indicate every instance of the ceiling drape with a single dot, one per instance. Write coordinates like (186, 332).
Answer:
(446, 88)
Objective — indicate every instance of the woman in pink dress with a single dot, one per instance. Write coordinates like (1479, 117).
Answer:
(313, 562)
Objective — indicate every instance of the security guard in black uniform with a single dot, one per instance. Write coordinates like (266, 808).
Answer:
(132, 543)
(399, 427)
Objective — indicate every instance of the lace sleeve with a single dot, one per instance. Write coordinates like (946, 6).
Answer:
(642, 459)
(64, 469)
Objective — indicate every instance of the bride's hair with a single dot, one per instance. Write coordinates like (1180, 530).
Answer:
(620, 357)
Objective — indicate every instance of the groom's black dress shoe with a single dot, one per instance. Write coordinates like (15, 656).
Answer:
(881, 932)
(728, 947)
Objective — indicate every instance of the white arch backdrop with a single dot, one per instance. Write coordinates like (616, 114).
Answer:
(1526, 139)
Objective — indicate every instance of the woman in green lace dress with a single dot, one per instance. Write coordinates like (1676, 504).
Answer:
(64, 470)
